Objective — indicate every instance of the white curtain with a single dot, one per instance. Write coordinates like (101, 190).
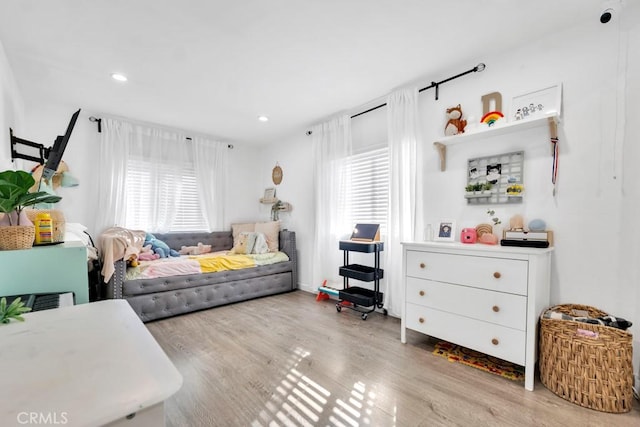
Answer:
(162, 156)
(403, 130)
(115, 139)
(210, 161)
(332, 148)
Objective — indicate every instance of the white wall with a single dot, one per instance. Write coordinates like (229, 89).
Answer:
(44, 121)
(11, 110)
(294, 155)
(244, 189)
(596, 206)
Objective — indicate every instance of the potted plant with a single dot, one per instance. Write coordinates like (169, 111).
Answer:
(12, 311)
(486, 187)
(14, 197)
(469, 189)
(477, 187)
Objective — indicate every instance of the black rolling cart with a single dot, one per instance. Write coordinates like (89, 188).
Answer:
(361, 299)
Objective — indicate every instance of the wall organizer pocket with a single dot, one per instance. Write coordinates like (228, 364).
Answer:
(497, 179)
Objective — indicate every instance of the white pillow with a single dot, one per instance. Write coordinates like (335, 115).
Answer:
(260, 247)
(271, 231)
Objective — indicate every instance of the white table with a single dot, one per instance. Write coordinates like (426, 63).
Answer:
(85, 365)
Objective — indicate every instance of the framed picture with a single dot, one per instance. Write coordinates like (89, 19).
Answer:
(446, 231)
(537, 103)
(269, 193)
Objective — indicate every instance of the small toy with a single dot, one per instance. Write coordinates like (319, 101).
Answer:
(455, 125)
(468, 235)
(491, 118)
(488, 239)
(195, 250)
(146, 254)
(133, 261)
(159, 247)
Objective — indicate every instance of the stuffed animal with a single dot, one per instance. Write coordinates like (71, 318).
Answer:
(159, 247)
(455, 125)
(146, 254)
(195, 250)
(133, 261)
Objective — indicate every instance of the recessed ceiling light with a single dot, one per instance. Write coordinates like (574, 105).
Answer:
(119, 77)
(263, 118)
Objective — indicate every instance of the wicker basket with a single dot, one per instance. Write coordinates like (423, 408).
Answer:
(597, 372)
(57, 218)
(16, 237)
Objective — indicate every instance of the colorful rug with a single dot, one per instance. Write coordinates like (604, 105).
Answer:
(456, 353)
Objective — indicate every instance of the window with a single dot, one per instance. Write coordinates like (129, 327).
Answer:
(155, 190)
(369, 192)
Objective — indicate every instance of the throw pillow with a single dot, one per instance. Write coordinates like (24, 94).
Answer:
(246, 241)
(271, 231)
(236, 229)
(261, 246)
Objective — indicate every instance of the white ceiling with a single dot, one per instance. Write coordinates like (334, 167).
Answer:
(213, 66)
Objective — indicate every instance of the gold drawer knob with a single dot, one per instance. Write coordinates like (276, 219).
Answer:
(496, 308)
(497, 275)
(421, 293)
(421, 320)
(423, 265)
(495, 341)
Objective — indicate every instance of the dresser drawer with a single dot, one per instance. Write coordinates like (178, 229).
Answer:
(494, 340)
(498, 274)
(489, 306)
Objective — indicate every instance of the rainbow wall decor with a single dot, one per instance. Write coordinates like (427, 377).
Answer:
(491, 117)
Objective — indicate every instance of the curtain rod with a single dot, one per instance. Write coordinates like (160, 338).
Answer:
(99, 121)
(478, 68)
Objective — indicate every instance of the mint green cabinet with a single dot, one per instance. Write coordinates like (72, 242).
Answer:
(56, 268)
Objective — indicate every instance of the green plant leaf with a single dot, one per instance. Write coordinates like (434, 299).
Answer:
(13, 311)
(14, 192)
(31, 199)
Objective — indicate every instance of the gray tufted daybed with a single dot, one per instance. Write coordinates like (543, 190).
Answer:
(158, 298)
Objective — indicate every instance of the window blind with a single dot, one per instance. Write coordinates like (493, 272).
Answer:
(143, 208)
(369, 193)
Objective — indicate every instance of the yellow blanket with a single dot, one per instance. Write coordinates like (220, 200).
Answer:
(211, 264)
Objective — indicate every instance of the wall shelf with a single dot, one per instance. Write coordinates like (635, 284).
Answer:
(486, 132)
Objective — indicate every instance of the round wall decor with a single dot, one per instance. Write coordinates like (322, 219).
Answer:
(276, 175)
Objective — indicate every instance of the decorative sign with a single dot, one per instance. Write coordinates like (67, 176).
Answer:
(276, 175)
(538, 103)
(494, 98)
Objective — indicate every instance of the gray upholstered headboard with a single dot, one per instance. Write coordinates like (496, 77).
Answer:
(219, 240)
(223, 241)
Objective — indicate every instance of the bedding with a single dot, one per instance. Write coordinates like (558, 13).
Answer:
(163, 297)
(204, 263)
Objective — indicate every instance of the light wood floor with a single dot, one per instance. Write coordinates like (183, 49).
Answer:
(288, 360)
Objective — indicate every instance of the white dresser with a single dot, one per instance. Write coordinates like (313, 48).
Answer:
(486, 298)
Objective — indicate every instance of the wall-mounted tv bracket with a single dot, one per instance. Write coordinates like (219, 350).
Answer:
(42, 150)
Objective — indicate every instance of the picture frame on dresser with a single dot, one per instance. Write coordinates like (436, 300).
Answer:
(446, 231)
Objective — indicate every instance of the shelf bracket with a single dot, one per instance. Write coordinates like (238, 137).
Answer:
(442, 151)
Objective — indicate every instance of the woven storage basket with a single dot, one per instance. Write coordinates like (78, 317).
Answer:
(16, 237)
(596, 373)
(57, 218)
